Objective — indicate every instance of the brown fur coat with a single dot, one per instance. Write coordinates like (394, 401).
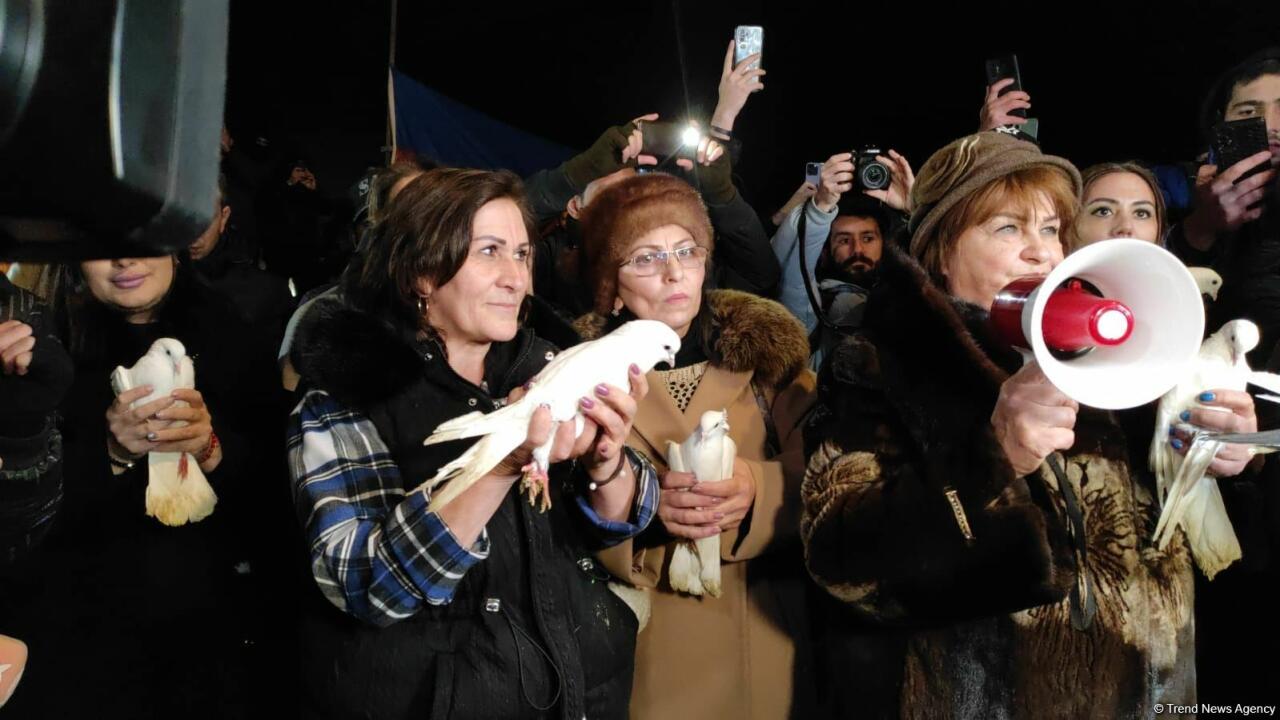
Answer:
(905, 417)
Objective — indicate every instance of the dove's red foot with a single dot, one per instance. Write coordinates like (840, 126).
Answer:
(535, 482)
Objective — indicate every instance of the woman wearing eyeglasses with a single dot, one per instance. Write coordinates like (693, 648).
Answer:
(647, 243)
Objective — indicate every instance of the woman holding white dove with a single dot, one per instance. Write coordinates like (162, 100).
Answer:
(728, 647)
(482, 604)
(117, 584)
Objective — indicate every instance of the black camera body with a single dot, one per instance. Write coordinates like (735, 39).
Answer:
(868, 172)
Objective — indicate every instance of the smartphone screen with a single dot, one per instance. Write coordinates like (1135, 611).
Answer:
(748, 40)
(1006, 66)
(1235, 140)
(662, 139)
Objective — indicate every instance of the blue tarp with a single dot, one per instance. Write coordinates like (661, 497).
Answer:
(433, 126)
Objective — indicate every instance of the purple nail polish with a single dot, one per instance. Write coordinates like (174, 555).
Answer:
(588, 403)
(602, 390)
(635, 369)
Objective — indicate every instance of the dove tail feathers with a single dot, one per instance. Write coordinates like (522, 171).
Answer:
(177, 491)
(463, 426)
(477, 461)
(475, 424)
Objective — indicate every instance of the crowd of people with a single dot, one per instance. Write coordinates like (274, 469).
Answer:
(916, 524)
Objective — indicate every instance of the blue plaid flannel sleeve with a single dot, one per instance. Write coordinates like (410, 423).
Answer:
(646, 504)
(376, 552)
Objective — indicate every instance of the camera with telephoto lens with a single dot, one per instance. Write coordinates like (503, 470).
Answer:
(869, 173)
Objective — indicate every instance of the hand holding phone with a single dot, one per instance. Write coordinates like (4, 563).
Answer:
(1006, 103)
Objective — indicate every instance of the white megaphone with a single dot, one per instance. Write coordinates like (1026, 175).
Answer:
(1115, 325)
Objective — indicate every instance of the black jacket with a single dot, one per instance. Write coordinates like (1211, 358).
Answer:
(30, 444)
(534, 625)
(143, 619)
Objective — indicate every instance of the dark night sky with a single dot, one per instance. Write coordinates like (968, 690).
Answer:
(1108, 80)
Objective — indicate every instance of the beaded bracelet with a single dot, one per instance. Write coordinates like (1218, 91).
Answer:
(203, 456)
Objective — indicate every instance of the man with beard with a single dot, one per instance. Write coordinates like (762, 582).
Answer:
(844, 237)
(1235, 225)
(846, 270)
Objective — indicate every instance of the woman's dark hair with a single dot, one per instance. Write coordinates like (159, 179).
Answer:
(425, 233)
(84, 324)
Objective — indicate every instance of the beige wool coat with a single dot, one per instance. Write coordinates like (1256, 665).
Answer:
(736, 656)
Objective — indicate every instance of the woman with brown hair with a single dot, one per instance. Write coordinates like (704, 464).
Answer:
(743, 653)
(486, 608)
(955, 496)
(1120, 200)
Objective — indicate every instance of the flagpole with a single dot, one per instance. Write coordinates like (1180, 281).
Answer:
(389, 145)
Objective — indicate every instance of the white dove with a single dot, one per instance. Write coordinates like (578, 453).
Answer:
(708, 453)
(177, 491)
(1189, 498)
(568, 378)
(1209, 282)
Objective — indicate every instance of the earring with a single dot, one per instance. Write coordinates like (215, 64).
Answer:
(423, 304)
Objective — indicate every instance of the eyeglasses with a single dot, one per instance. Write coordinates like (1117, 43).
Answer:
(651, 263)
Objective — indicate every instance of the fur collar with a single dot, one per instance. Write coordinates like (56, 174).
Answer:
(352, 356)
(937, 360)
(751, 334)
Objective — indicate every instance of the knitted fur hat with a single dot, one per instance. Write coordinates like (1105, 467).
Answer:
(965, 166)
(627, 210)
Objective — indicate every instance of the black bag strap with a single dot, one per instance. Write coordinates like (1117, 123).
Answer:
(1083, 604)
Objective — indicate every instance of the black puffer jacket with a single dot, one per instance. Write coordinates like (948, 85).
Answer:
(532, 626)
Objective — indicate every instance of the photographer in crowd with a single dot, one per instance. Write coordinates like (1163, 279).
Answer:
(1235, 224)
(849, 231)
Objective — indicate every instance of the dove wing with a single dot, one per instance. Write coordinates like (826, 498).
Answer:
(186, 374)
(1265, 380)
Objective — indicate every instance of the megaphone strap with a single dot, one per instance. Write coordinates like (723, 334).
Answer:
(1083, 605)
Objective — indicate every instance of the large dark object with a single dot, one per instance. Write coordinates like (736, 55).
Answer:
(110, 119)
(869, 173)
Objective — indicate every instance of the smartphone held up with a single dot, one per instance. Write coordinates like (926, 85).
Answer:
(748, 40)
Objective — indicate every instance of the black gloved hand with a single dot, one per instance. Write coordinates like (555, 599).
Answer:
(27, 400)
(603, 157)
(715, 181)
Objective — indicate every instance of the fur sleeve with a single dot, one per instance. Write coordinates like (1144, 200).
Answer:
(881, 535)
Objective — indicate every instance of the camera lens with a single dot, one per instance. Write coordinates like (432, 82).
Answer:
(875, 176)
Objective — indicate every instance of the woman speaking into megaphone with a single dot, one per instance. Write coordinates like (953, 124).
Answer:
(957, 493)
